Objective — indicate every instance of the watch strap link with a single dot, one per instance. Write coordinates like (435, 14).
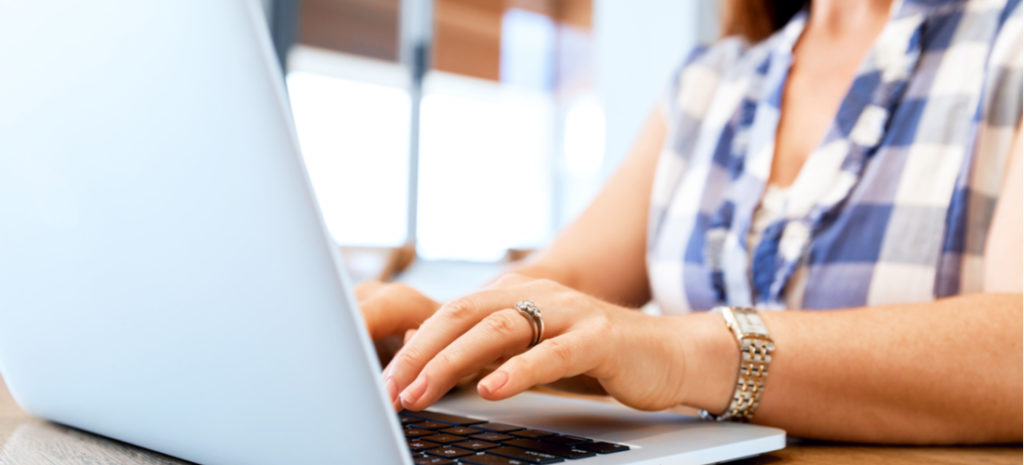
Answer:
(755, 356)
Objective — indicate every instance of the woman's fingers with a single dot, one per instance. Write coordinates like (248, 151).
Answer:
(390, 309)
(448, 323)
(502, 333)
(567, 355)
(366, 289)
(509, 280)
(409, 333)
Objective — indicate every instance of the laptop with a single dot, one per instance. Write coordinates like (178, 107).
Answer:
(166, 278)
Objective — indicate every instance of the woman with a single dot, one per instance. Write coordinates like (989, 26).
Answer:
(861, 157)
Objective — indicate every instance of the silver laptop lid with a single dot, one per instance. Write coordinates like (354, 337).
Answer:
(165, 277)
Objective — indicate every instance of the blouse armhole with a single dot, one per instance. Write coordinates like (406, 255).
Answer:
(668, 103)
(1004, 266)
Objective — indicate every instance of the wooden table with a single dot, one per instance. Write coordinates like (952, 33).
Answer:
(27, 440)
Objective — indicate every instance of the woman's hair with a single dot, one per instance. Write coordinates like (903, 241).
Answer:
(757, 19)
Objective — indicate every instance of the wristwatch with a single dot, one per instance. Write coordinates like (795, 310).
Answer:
(756, 349)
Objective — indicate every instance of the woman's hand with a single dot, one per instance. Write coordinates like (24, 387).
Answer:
(637, 358)
(391, 311)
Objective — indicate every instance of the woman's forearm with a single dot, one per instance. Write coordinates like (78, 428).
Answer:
(947, 371)
(602, 252)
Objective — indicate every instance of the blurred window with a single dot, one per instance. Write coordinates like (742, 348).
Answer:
(511, 135)
(353, 129)
(485, 173)
(583, 155)
(485, 154)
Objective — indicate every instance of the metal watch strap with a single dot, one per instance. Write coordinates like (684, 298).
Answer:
(755, 356)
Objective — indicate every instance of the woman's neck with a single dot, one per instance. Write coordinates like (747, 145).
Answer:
(838, 17)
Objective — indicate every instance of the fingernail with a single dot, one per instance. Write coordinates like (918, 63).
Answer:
(493, 382)
(414, 391)
(392, 388)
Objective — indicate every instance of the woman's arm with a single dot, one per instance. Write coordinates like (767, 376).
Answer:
(602, 252)
(932, 372)
(937, 372)
(1003, 264)
(947, 371)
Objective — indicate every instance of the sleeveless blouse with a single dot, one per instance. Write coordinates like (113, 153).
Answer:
(892, 207)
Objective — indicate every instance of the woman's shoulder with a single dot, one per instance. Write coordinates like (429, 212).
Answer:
(1009, 40)
(725, 56)
(728, 52)
(708, 66)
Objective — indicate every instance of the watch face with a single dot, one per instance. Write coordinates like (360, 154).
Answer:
(749, 322)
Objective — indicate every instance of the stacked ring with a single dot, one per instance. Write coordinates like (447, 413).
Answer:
(531, 312)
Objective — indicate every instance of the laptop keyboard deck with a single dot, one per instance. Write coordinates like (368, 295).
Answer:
(436, 438)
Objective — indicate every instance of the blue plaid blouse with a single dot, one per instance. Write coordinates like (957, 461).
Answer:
(894, 206)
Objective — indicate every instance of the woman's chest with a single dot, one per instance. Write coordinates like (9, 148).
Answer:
(814, 88)
(896, 208)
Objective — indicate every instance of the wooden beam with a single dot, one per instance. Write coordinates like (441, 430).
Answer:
(467, 33)
(362, 27)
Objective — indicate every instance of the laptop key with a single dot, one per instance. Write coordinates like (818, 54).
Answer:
(431, 425)
(488, 459)
(528, 456)
(493, 437)
(602, 447)
(431, 461)
(446, 418)
(416, 432)
(450, 452)
(444, 438)
(419, 444)
(532, 433)
(498, 427)
(407, 420)
(549, 448)
(475, 444)
(565, 439)
(460, 430)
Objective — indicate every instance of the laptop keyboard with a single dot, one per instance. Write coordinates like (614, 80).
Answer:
(436, 438)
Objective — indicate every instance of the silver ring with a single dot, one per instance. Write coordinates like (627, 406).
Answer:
(531, 312)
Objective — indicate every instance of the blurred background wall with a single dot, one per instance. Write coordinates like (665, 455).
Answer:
(637, 45)
(528, 105)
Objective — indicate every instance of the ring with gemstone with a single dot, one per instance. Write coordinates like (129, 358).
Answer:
(531, 312)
